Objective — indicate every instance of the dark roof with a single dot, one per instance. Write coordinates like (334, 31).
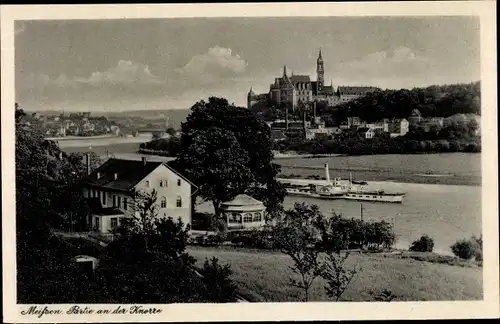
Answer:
(291, 124)
(415, 112)
(276, 134)
(356, 90)
(299, 78)
(130, 173)
(328, 90)
(96, 208)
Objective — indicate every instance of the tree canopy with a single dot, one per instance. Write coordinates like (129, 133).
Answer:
(226, 150)
(433, 101)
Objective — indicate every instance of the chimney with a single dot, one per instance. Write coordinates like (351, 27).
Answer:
(144, 161)
(87, 162)
(116, 176)
(286, 117)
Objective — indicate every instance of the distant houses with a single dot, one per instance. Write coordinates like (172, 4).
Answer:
(74, 124)
(366, 132)
(398, 127)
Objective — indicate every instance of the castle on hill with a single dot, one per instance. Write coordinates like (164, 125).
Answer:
(297, 89)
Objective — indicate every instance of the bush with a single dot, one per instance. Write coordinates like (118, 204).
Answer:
(217, 279)
(423, 244)
(478, 242)
(204, 222)
(208, 240)
(339, 233)
(254, 239)
(464, 249)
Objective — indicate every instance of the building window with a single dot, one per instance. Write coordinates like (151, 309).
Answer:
(97, 222)
(163, 202)
(235, 218)
(257, 217)
(104, 198)
(178, 182)
(179, 202)
(114, 200)
(247, 218)
(125, 203)
(119, 203)
(114, 223)
(166, 183)
(161, 183)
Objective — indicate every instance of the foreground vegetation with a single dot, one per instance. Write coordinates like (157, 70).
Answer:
(147, 262)
(263, 276)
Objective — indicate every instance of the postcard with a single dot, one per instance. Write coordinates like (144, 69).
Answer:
(249, 162)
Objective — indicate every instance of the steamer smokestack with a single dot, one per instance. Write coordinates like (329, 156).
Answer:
(327, 174)
(87, 162)
(286, 117)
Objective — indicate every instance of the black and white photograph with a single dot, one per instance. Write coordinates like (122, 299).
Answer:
(245, 159)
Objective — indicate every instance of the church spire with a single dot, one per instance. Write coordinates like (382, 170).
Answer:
(284, 71)
(320, 57)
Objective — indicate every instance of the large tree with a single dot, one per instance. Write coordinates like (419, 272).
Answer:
(226, 150)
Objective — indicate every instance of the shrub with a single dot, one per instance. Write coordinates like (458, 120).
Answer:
(464, 249)
(423, 244)
(384, 295)
(208, 240)
(478, 242)
(339, 233)
(217, 279)
(204, 222)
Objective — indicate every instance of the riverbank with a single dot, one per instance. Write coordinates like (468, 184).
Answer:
(444, 168)
(303, 156)
(310, 174)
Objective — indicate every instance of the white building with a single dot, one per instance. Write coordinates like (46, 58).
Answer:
(399, 127)
(382, 126)
(244, 212)
(110, 189)
(366, 132)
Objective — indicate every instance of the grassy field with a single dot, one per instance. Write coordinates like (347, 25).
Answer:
(263, 277)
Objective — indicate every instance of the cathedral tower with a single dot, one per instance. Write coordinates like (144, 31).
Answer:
(250, 98)
(320, 71)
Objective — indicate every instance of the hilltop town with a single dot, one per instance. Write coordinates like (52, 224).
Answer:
(296, 90)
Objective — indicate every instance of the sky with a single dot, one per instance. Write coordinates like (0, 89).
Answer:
(149, 64)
